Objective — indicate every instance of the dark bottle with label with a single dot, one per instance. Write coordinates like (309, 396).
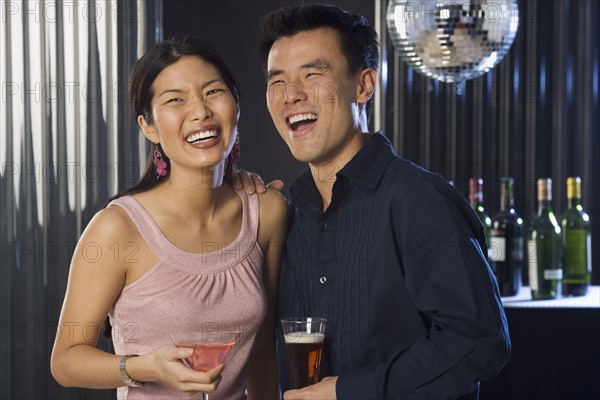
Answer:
(507, 242)
(577, 243)
(476, 200)
(544, 247)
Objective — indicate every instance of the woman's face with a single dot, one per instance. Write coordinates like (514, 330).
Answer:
(194, 115)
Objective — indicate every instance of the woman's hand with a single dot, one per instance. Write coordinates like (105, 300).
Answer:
(171, 370)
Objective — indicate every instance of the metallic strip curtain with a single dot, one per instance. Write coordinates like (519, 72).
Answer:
(535, 115)
(67, 143)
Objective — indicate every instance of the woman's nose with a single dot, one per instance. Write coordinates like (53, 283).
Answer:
(200, 110)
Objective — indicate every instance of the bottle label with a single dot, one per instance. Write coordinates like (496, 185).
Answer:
(577, 249)
(497, 249)
(532, 263)
(553, 274)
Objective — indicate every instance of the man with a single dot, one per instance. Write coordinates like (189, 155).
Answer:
(388, 252)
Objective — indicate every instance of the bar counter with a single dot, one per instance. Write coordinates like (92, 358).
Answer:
(555, 349)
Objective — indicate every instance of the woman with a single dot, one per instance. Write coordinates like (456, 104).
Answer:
(180, 251)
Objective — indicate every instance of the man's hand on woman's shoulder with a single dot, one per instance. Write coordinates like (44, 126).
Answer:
(252, 182)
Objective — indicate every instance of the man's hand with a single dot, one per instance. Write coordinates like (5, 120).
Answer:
(251, 182)
(324, 390)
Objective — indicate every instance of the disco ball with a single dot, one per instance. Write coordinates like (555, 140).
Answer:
(455, 40)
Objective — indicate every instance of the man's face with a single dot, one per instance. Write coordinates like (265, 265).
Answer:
(312, 97)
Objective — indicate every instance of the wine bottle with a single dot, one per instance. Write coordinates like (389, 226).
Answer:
(577, 239)
(507, 242)
(544, 248)
(476, 200)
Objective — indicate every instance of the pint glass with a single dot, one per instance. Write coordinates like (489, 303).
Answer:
(304, 337)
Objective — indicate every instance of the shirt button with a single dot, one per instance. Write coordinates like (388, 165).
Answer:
(325, 225)
(322, 279)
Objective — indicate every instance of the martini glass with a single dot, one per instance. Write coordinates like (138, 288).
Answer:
(210, 348)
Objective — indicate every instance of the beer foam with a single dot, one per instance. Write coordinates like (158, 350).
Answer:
(304, 337)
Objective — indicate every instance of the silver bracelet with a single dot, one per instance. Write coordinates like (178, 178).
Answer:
(126, 378)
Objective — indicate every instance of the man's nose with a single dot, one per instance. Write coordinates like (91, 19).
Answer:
(294, 92)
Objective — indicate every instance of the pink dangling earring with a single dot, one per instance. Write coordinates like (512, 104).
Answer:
(234, 156)
(159, 163)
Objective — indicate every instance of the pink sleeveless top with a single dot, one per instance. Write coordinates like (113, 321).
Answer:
(187, 292)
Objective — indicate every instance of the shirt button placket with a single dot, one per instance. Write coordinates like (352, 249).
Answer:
(324, 271)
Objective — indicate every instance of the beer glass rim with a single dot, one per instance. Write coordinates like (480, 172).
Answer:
(304, 319)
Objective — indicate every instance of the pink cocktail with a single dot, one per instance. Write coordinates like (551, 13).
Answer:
(210, 347)
(207, 355)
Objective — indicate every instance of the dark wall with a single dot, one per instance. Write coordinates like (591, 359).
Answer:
(233, 27)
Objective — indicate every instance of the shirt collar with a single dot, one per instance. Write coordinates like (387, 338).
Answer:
(368, 165)
(305, 195)
(366, 168)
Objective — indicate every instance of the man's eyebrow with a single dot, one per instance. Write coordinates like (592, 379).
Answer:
(176, 90)
(272, 73)
(318, 64)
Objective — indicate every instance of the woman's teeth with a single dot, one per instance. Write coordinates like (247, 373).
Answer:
(196, 137)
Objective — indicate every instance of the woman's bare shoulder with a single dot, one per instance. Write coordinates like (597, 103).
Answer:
(111, 224)
(273, 217)
(273, 203)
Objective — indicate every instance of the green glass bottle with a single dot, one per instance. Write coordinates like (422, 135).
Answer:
(476, 200)
(577, 239)
(544, 248)
(506, 250)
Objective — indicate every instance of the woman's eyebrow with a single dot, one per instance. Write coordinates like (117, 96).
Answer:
(176, 90)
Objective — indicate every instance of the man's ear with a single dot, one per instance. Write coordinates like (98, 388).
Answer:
(366, 85)
(148, 130)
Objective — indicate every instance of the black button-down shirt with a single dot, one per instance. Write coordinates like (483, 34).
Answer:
(397, 266)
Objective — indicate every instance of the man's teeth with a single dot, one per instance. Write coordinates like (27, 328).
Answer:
(302, 117)
(201, 136)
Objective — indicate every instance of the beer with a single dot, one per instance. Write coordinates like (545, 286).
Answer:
(304, 352)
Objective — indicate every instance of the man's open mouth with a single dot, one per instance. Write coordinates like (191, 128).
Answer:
(297, 121)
